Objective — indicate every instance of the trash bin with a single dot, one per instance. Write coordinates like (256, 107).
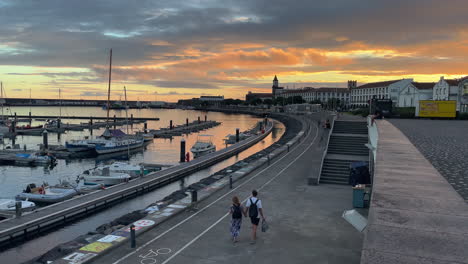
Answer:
(358, 196)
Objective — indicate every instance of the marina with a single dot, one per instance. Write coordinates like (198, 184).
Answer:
(40, 220)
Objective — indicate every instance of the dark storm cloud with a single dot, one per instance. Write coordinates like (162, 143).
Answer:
(61, 33)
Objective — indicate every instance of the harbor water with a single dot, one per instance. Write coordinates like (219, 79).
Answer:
(13, 178)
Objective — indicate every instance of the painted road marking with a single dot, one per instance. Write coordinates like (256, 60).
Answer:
(144, 223)
(225, 215)
(208, 206)
(150, 256)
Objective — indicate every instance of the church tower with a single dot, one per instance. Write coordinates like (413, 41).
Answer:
(275, 89)
(275, 82)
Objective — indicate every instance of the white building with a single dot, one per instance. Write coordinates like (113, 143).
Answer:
(415, 92)
(452, 89)
(360, 95)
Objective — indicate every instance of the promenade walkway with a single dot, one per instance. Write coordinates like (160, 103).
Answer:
(415, 215)
(305, 221)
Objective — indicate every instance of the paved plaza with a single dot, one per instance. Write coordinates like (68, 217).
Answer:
(445, 144)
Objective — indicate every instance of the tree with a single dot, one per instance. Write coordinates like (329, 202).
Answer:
(268, 102)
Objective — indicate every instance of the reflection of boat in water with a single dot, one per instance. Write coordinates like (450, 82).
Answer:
(9, 205)
(46, 194)
(104, 176)
(203, 146)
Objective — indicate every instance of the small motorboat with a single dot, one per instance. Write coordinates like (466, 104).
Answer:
(46, 194)
(35, 158)
(123, 167)
(104, 176)
(203, 146)
(9, 205)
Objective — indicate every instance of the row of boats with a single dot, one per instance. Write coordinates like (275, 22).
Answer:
(93, 179)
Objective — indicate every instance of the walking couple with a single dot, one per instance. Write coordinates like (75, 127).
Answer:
(254, 209)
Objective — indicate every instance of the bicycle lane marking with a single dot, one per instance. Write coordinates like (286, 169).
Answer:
(217, 200)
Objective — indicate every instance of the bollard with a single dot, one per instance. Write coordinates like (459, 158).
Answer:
(182, 150)
(15, 117)
(170, 124)
(186, 121)
(91, 121)
(230, 181)
(205, 118)
(194, 196)
(142, 171)
(131, 118)
(288, 147)
(237, 135)
(18, 205)
(30, 117)
(45, 139)
(132, 236)
(145, 125)
(59, 123)
(115, 121)
(198, 120)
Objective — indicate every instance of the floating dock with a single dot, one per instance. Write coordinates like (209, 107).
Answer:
(179, 130)
(45, 117)
(43, 219)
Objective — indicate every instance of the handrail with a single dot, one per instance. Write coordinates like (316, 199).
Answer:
(165, 175)
(326, 148)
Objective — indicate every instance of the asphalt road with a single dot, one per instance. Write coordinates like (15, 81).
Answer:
(305, 221)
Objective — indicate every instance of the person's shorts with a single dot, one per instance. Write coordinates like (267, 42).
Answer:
(255, 220)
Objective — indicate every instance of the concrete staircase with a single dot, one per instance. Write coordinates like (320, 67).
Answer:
(346, 145)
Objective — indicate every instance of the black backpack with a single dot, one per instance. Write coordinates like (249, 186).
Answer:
(236, 211)
(253, 210)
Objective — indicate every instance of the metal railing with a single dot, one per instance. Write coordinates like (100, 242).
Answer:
(326, 148)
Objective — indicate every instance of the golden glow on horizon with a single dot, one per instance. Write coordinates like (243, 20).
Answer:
(234, 70)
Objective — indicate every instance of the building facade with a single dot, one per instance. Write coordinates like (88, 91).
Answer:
(310, 94)
(452, 89)
(360, 95)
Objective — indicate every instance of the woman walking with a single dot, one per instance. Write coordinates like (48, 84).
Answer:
(236, 212)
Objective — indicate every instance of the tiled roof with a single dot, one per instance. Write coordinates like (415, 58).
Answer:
(321, 89)
(424, 85)
(260, 94)
(455, 82)
(377, 84)
(331, 89)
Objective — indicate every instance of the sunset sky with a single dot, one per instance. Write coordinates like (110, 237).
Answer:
(171, 49)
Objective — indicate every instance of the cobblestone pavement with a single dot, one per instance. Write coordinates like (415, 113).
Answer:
(445, 144)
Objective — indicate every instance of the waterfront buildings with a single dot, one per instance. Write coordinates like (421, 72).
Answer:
(309, 94)
(360, 95)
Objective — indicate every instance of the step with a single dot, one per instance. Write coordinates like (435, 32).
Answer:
(325, 181)
(332, 177)
(336, 169)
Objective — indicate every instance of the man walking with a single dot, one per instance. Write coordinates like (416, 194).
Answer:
(254, 209)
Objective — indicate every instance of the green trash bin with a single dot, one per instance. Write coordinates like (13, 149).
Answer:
(358, 196)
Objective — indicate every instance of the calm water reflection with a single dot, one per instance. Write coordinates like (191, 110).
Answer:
(161, 151)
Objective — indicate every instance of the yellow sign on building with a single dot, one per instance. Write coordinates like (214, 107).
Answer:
(429, 108)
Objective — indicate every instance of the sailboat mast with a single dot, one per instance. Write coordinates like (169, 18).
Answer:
(126, 109)
(60, 104)
(108, 90)
(1, 96)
